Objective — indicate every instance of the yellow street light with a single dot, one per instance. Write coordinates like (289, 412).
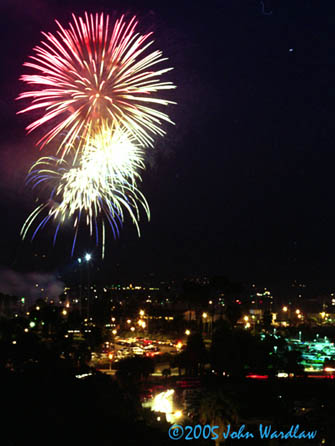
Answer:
(187, 332)
(285, 309)
(204, 315)
(297, 311)
(141, 312)
(246, 318)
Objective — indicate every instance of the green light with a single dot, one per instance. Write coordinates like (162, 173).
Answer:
(22, 300)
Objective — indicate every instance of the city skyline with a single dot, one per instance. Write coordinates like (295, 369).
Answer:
(240, 185)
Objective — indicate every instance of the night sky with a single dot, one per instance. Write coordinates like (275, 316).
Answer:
(243, 184)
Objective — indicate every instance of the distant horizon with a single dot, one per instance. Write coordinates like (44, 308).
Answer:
(69, 274)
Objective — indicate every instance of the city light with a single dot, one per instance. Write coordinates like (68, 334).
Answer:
(114, 332)
(141, 312)
(163, 403)
(88, 257)
(285, 309)
(204, 315)
(187, 332)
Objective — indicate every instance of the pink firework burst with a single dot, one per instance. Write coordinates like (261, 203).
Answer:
(92, 72)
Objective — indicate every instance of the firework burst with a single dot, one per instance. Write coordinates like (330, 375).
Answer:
(93, 71)
(99, 186)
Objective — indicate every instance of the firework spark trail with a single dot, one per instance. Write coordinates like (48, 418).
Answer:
(93, 71)
(103, 183)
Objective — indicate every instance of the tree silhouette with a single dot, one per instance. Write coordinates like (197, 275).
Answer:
(196, 354)
(216, 409)
(196, 296)
(267, 319)
(233, 313)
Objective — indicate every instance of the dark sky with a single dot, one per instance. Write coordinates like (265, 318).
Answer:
(243, 184)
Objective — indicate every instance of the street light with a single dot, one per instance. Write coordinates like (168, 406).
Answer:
(110, 357)
(187, 332)
(87, 257)
(204, 321)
